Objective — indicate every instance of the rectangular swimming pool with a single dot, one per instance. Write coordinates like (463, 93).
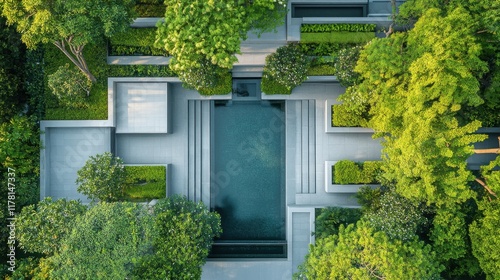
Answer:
(247, 180)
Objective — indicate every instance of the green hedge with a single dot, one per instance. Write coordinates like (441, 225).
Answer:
(323, 49)
(145, 182)
(346, 172)
(135, 41)
(150, 8)
(343, 117)
(337, 27)
(337, 37)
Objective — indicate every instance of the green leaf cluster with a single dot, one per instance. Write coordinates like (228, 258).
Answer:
(287, 67)
(183, 233)
(43, 226)
(323, 49)
(329, 219)
(344, 66)
(102, 178)
(207, 78)
(150, 8)
(349, 172)
(349, 27)
(195, 31)
(361, 252)
(70, 87)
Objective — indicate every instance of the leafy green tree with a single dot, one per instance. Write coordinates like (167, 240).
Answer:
(102, 178)
(183, 233)
(329, 220)
(344, 66)
(41, 227)
(287, 66)
(68, 24)
(199, 31)
(105, 243)
(70, 86)
(360, 252)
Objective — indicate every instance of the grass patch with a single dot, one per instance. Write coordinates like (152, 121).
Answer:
(97, 105)
(145, 183)
(342, 37)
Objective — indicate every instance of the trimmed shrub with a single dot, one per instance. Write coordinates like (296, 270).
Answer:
(348, 27)
(344, 117)
(135, 41)
(329, 220)
(349, 172)
(207, 78)
(346, 172)
(344, 66)
(322, 66)
(323, 49)
(145, 182)
(270, 86)
(102, 178)
(337, 37)
(70, 86)
(287, 67)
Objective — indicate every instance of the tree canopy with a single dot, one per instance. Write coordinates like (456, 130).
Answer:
(211, 31)
(360, 252)
(68, 24)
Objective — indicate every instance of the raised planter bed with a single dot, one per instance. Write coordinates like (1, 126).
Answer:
(337, 129)
(337, 188)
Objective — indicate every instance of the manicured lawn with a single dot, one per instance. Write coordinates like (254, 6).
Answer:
(145, 183)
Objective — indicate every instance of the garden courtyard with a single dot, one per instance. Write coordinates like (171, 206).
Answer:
(263, 161)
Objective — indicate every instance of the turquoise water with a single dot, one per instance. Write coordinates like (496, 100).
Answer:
(248, 169)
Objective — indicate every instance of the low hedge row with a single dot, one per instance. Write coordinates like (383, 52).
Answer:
(270, 86)
(150, 8)
(323, 49)
(224, 86)
(337, 37)
(348, 27)
(145, 182)
(322, 66)
(135, 41)
(346, 172)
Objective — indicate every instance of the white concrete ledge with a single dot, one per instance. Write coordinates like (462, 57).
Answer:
(338, 129)
(145, 22)
(138, 60)
(330, 187)
(369, 19)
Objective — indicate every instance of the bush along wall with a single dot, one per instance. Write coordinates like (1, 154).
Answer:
(145, 182)
(347, 172)
(337, 33)
(284, 70)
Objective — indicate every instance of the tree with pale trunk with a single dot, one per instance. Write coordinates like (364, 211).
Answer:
(68, 24)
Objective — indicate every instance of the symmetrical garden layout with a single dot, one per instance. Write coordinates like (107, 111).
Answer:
(285, 151)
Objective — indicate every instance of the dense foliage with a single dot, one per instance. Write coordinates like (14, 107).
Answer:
(207, 78)
(12, 56)
(150, 8)
(70, 86)
(102, 178)
(344, 66)
(183, 233)
(42, 226)
(287, 67)
(105, 243)
(350, 172)
(69, 25)
(329, 220)
(211, 31)
(360, 252)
